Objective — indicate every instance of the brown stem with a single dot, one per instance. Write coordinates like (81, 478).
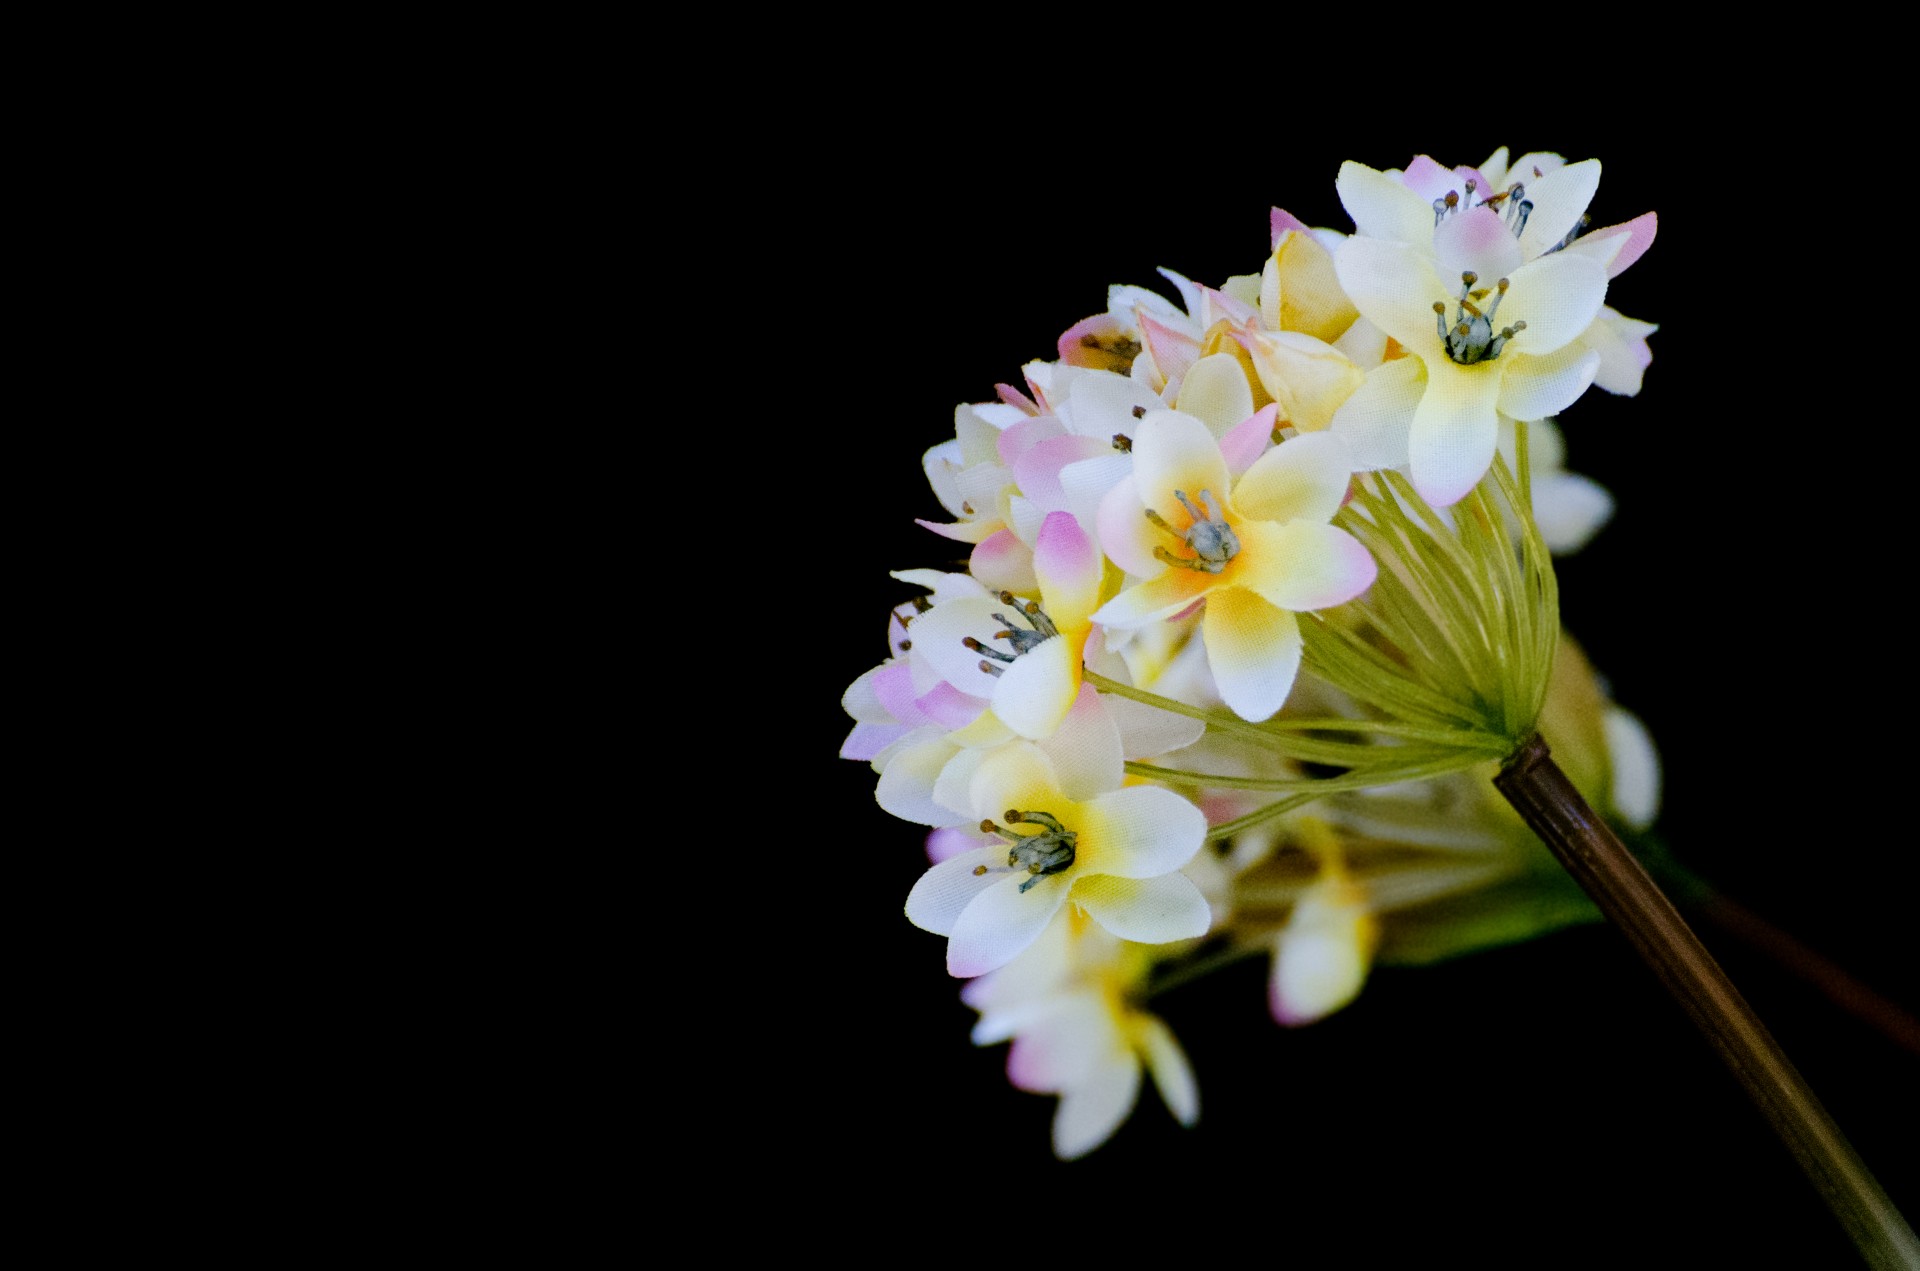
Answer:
(1601, 864)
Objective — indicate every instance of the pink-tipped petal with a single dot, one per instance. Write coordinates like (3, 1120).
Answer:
(1017, 439)
(1003, 563)
(1069, 569)
(1173, 352)
(1216, 393)
(1477, 241)
(1249, 439)
(1125, 533)
(1038, 472)
(1279, 221)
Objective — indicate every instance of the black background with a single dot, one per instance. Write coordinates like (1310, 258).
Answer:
(1539, 1105)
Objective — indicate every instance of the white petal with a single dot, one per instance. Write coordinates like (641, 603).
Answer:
(1636, 768)
(1395, 287)
(1559, 198)
(936, 901)
(1147, 732)
(1569, 509)
(1176, 452)
(1145, 910)
(1002, 921)
(953, 788)
(906, 783)
(1308, 377)
(1091, 1111)
(1172, 1074)
(1381, 207)
(938, 634)
(1557, 296)
(1536, 387)
(1139, 832)
(1032, 696)
(1377, 420)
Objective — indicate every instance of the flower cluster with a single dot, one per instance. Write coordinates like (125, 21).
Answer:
(1224, 674)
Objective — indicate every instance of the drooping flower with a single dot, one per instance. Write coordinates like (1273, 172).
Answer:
(1069, 832)
(1071, 1006)
(1257, 549)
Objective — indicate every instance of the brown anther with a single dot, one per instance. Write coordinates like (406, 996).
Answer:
(1439, 308)
(972, 644)
(979, 870)
(1033, 607)
(988, 827)
(1453, 198)
(1089, 342)
(1139, 412)
(1469, 278)
(1012, 817)
(905, 645)
(1503, 286)
(1006, 598)
(967, 508)
(1123, 443)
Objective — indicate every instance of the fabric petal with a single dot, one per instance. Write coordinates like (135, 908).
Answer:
(1018, 775)
(1559, 199)
(1301, 292)
(1454, 430)
(1091, 1110)
(1253, 649)
(1032, 695)
(938, 635)
(1126, 534)
(1249, 439)
(1569, 510)
(1174, 451)
(1038, 470)
(1395, 287)
(1156, 910)
(906, 782)
(1305, 478)
(1216, 393)
(1476, 241)
(1139, 832)
(1155, 599)
(1085, 748)
(1147, 732)
(1557, 297)
(1383, 208)
(1635, 766)
(1172, 1074)
(1377, 421)
(1308, 378)
(1638, 233)
(937, 899)
(1002, 920)
(1536, 387)
(1305, 565)
(1069, 570)
(1003, 563)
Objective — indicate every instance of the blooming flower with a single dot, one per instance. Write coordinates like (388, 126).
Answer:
(1069, 832)
(1439, 408)
(1256, 549)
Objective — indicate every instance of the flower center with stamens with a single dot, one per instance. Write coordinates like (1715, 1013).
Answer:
(1047, 852)
(1471, 338)
(1513, 201)
(1039, 629)
(1210, 539)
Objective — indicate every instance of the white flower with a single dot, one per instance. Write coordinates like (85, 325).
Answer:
(1069, 832)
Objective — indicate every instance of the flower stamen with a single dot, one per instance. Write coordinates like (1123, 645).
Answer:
(1471, 338)
(1049, 851)
(1209, 537)
(1040, 628)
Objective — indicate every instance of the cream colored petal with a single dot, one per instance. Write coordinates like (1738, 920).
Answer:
(1092, 1110)
(1172, 1074)
(1557, 297)
(1395, 287)
(1300, 290)
(1305, 478)
(1559, 198)
(1033, 695)
(1304, 565)
(1140, 832)
(1377, 421)
(1155, 599)
(1382, 208)
(1253, 649)
(1216, 393)
(1454, 430)
(1308, 377)
(1145, 910)
(1173, 451)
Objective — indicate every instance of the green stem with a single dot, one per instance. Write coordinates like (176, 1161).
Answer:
(1601, 864)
